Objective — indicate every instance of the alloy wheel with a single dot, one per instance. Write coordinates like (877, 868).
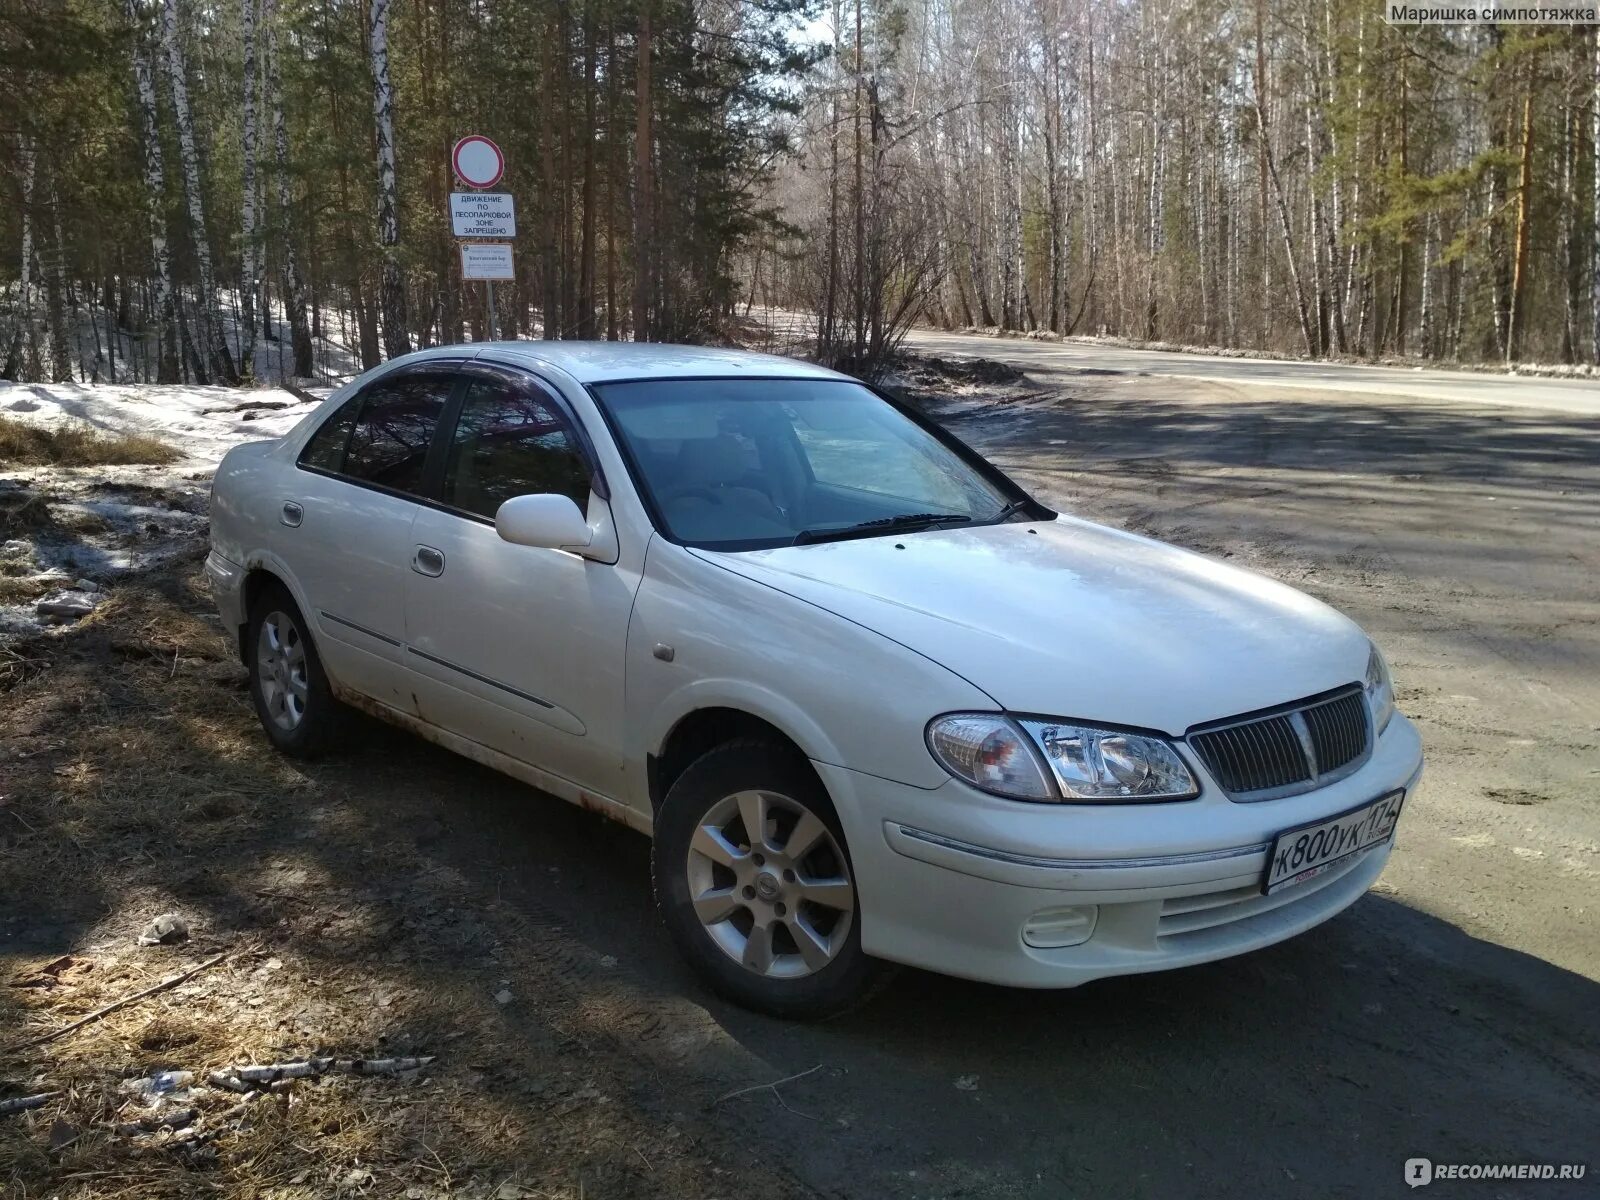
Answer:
(281, 670)
(770, 884)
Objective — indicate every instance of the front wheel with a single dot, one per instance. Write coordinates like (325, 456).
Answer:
(753, 879)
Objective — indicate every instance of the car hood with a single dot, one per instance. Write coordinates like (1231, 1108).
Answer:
(1072, 619)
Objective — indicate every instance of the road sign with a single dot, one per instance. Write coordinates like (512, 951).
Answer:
(478, 161)
(483, 215)
(486, 260)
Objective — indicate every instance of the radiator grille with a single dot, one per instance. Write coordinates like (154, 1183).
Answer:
(1295, 750)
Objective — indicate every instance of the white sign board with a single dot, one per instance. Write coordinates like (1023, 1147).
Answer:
(483, 215)
(477, 161)
(486, 260)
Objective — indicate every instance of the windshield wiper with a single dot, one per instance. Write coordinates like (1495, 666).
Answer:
(1009, 511)
(904, 523)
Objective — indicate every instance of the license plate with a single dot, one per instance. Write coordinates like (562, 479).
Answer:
(1307, 851)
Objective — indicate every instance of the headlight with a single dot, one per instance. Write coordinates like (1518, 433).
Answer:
(1090, 763)
(1380, 690)
(1049, 760)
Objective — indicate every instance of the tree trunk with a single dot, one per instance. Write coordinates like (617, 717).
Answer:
(22, 356)
(586, 238)
(396, 333)
(1594, 281)
(249, 272)
(213, 341)
(1519, 262)
(1286, 231)
(613, 164)
(553, 201)
(1429, 253)
(643, 196)
(55, 290)
(294, 288)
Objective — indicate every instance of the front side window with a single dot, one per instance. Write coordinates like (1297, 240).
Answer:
(747, 463)
(325, 450)
(511, 441)
(389, 443)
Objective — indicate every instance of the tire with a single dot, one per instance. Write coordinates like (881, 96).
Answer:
(771, 931)
(287, 683)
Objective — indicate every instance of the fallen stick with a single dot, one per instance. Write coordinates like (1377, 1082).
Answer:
(227, 1082)
(273, 1072)
(22, 1103)
(170, 981)
(773, 1088)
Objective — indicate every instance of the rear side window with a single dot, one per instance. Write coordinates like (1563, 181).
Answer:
(389, 442)
(511, 441)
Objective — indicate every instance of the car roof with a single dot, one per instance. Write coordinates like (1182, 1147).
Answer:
(597, 362)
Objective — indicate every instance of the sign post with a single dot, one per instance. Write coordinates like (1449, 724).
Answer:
(478, 164)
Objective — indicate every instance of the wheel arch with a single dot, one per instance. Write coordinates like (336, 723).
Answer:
(261, 573)
(701, 730)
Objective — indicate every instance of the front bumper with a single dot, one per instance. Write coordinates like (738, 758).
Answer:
(948, 879)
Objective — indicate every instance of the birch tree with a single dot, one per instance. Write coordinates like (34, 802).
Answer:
(213, 340)
(22, 356)
(396, 335)
(249, 273)
(155, 194)
(294, 291)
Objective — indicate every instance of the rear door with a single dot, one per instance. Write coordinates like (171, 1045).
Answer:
(518, 648)
(347, 526)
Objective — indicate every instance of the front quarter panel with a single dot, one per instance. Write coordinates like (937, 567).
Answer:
(846, 695)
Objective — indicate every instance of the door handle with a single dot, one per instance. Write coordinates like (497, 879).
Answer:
(428, 561)
(292, 514)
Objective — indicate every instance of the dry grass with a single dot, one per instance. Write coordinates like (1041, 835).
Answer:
(135, 781)
(75, 445)
(15, 590)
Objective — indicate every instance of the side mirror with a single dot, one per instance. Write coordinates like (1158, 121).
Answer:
(549, 521)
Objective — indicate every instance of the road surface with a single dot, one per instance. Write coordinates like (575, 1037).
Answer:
(1058, 361)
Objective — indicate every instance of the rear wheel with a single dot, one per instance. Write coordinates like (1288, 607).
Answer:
(287, 682)
(754, 881)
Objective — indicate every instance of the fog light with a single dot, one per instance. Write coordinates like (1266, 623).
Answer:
(1053, 928)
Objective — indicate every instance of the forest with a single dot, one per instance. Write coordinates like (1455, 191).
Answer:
(221, 192)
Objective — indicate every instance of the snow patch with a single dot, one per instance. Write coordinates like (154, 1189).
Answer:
(92, 525)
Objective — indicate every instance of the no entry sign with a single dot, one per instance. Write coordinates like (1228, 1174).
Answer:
(478, 161)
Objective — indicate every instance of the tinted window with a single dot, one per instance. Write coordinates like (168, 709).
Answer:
(325, 450)
(511, 442)
(389, 443)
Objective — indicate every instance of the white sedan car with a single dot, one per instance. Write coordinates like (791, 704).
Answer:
(873, 702)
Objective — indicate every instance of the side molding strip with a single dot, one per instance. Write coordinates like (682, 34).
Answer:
(371, 633)
(494, 683)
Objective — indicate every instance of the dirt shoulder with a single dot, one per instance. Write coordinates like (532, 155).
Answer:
(135, 783)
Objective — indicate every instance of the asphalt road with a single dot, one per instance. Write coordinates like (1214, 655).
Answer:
(1061, 359)
(1453, 1014)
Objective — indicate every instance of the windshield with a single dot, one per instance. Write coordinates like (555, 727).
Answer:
(738, 464)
